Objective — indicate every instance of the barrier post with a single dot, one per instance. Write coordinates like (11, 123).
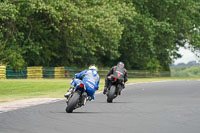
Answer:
(2, 72)
(35, 72)
(59, 72)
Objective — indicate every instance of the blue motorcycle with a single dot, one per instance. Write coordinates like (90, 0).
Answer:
(82, 92)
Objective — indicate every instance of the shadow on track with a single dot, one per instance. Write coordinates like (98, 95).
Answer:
(98, 113)
(78, 112)
(113, 102)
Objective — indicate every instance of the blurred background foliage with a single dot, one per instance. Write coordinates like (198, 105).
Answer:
(191, 69)
(144, 34)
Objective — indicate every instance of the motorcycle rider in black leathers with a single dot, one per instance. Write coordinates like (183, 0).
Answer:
(121, 69)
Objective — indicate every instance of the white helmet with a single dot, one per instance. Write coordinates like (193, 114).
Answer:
(93, 67)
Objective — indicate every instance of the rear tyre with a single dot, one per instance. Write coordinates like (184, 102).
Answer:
(111, 94)
(72, 102)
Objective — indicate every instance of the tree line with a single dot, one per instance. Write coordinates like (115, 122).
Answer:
(144, 34)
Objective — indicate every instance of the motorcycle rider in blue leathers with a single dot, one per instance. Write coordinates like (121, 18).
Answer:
(90, 78)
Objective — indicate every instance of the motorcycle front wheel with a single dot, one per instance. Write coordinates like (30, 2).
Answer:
(73, 101)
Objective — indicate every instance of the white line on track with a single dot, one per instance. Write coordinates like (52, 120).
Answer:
(9, 106)
(159, 81)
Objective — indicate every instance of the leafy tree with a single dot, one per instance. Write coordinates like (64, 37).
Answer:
(145, 34)
(154, 35)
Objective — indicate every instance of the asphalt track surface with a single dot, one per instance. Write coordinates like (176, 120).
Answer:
(159, 107)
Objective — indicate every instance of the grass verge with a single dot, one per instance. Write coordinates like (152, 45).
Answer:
(15, 89)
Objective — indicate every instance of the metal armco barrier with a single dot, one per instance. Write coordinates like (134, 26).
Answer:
(16, 74)
(38, 72)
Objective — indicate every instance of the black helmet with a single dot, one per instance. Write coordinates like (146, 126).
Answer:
(120, 64)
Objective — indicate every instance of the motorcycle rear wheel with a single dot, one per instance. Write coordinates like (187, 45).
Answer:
(111, 94)
(73, 101)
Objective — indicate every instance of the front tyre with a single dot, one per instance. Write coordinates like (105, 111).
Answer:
(73, 101)
(111, 94)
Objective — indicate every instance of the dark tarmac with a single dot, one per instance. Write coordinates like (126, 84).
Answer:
(158, 107)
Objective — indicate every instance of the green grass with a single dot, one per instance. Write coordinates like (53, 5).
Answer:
(15, 89)
(193, 71)
(25, 88)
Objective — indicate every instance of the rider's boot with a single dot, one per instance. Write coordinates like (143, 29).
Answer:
(68, 92)
(120, 92)
(106, 86)
(90, 98)
(105, 90)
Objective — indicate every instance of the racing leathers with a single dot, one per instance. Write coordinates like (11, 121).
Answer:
(114, 69)
(87, 76)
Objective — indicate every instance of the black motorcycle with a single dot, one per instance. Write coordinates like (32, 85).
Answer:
(114, 88)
